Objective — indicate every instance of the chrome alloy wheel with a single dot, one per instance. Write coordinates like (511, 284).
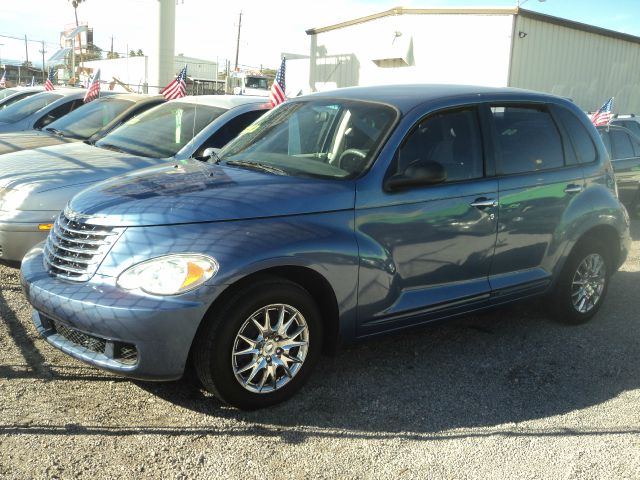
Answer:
(588, 283)
(270, 348)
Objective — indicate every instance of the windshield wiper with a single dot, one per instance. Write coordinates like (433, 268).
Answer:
(108, 146)
(261, 167)
(55, 131)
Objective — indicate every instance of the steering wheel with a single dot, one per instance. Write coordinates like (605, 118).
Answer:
(351, 154)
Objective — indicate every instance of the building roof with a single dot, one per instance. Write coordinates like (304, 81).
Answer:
(479, 11)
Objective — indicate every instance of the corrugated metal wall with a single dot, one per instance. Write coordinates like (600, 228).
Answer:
(585, 66)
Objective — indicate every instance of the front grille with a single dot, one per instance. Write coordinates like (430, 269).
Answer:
(124, 353)
(74, 250)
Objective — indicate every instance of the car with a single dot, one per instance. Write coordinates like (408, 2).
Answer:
(9, 96)
(36, 184)
(624, 148)
(39, 110)
(87, 123)
(336, 217)
(630, 122)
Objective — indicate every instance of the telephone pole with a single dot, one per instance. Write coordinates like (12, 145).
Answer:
(238, 40)
(26, 51)
(43, 51)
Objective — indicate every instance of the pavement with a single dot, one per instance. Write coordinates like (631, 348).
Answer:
(506, 394)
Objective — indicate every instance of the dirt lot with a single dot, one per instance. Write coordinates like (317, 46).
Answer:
(508, 394)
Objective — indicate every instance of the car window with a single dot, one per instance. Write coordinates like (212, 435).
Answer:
(621, 143)
(231, 129)
(6, 92)
(631, 125)
(580, 138)
(91, 117)
(607, 142)
(58, 112)
(27, 106)
(451, 139)
(327, 138)
(162, 131)
(16, 98)
(528, 139)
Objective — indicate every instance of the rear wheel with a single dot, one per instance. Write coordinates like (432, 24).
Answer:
(583, 283)
(260, 347)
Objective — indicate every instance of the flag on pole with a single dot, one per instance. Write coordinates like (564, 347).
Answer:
(3, 80)
(177, 88)
(93, 91)
(33, 81)
(603, 116)
(48, 85)
(277, 95)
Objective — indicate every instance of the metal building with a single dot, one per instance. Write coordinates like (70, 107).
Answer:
(483, 46)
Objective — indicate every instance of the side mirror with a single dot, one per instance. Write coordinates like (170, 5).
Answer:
(208, 153)
(417, 174)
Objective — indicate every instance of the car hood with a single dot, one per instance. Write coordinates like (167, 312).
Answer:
(15, 142)
(66, 165)
(192, 192)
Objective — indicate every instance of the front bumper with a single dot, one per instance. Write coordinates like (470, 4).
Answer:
(96, 321)
(19, 235)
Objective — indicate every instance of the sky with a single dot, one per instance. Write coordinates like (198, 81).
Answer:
(208, 29)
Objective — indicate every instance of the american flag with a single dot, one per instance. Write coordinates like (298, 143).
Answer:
(276, 95)
(177, 88)
(603, 116)
(93, 91)
(3, 80)
(48, 85)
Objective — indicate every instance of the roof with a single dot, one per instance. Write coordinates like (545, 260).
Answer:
(479, 11)
(223, 101)
(405, 97)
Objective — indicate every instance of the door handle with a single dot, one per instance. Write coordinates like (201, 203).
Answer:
(484, 203)
(573, 188)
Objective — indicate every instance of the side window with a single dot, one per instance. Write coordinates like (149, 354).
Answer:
(231, 129)
(621, 142)
(451, 139)
(606, 141)
(580, 137)
(527, 138)
(632, 125)
(57, 112)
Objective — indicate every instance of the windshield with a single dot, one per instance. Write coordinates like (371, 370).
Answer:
(88, 119)
(15, 98)
(162, 131)
(324, 138)
(27, 106)
(257, 82)
(6, 92)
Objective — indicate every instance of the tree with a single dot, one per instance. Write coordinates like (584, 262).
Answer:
(139, 53)
(94, 53)
(132, 53)
(112, 55)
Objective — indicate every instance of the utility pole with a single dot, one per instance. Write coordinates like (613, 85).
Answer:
(111, 46)
(43, 51)
(26, 50)
(238, 40)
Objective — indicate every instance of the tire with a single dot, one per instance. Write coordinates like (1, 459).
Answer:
(277, 361)
(573, 304)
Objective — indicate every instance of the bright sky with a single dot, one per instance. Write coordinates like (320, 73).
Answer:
(208, 28)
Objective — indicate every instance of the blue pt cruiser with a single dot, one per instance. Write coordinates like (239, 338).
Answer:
(335, 217)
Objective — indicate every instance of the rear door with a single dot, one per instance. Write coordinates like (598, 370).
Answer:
(625, 149)
(538, 177)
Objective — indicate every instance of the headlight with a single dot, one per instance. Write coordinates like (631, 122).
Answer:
(169, 275)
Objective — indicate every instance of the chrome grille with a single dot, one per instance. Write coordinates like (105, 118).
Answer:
(74, 249)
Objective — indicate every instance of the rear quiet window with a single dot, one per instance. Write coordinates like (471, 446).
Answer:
(528, 139)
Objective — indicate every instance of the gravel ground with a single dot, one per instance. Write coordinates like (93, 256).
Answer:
(508, 394)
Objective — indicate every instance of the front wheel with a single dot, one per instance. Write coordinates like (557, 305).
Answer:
(583, 283)
(260, 347)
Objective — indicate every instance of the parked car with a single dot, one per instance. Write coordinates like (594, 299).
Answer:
(36, 184)
(39, 110)
(87, 123)
(624, 148)
(335, 217)
(9, 96)
(630, 122)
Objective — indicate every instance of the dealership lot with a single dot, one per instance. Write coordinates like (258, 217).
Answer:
(505, 394)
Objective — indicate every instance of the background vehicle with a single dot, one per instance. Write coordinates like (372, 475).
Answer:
(246, 83)
(624, 148)
(335, 217)
(630, 122)
(87, 123)
(36, 184)
(9, 96)
(39, 110)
